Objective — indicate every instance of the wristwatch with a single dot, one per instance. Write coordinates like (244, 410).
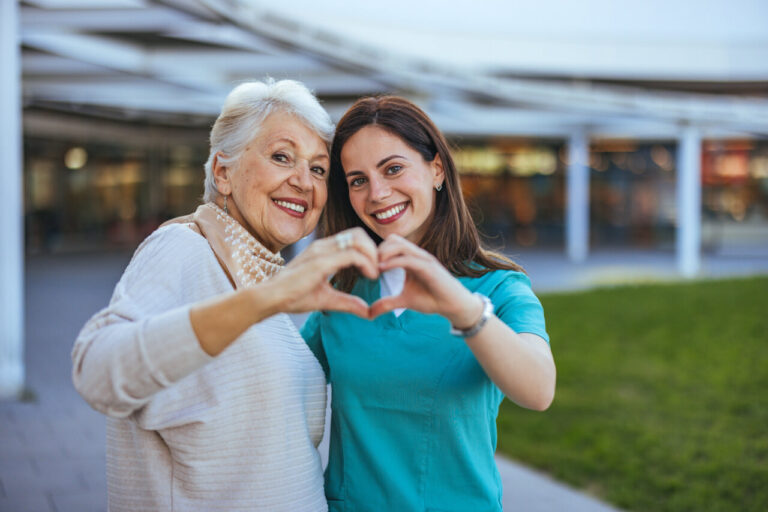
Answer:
(474, 329)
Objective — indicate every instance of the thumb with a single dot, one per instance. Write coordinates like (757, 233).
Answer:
(340, 301)
(386, 305)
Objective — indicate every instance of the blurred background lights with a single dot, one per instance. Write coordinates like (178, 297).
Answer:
(75, 158)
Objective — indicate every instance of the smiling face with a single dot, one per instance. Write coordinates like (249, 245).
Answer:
(278, 187)
(391, 186)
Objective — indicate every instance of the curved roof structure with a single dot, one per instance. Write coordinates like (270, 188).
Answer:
(490, 68)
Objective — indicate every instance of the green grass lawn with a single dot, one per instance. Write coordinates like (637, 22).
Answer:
(662, 397)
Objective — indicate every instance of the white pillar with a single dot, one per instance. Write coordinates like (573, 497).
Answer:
(11, 209)
(689, 201)
(577, 197)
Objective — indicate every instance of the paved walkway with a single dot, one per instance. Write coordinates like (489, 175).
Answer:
(52, 446)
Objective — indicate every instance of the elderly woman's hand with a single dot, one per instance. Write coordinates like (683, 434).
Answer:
(303, 285)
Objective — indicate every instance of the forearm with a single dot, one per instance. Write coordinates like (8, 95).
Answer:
(119, 362)
(521, 365)
(219, 321)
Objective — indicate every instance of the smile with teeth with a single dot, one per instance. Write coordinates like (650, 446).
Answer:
(390, 212)
(293, 206)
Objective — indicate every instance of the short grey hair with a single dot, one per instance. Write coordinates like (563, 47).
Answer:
(246, 107)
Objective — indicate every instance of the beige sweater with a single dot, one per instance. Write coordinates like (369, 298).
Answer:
(186, 431)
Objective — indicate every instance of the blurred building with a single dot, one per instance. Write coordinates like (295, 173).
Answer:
(576, 124)
(119, 96)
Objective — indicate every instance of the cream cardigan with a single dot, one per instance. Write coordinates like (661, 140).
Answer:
(186, 431)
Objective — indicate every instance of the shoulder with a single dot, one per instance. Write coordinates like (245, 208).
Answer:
(499, 281)
(171, 254)
(173, 244)
(170, 238)
(513, 299)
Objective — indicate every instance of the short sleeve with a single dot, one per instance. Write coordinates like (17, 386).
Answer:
(311, 331)
(516, 305)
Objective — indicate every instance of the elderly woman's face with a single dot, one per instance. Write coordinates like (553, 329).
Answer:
(279, 185)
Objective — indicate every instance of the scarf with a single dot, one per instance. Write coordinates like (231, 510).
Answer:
(244, 259)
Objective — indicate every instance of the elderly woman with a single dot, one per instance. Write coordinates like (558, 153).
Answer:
(213, 400)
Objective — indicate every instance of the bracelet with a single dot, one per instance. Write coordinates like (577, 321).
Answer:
(474, 329)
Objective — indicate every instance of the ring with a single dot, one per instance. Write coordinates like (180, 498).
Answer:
(343, 240)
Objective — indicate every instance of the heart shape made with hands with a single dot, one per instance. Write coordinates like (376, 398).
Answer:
(392, 283)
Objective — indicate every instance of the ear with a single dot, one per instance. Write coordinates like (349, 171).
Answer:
(221, 174)
(439, 172)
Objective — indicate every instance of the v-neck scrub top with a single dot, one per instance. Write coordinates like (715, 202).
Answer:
(413, 423)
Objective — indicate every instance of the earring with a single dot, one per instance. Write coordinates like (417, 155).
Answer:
(439, 187)
(226, 210)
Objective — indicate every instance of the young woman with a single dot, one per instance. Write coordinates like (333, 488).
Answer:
(417, 390)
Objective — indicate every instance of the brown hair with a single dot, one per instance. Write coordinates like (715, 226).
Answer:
(452, 237)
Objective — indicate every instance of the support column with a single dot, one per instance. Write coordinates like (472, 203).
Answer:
(689, 202)
(577, 197)
(11, 210)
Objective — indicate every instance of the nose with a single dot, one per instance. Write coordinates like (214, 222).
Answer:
(378, 189)
(301, 177)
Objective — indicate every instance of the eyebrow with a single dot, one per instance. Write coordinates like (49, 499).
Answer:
(282, 139)
(387, 159)
(290, 141)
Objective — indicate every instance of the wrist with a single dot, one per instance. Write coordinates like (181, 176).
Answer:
(264, 301)
(468, 312)
(472, 329)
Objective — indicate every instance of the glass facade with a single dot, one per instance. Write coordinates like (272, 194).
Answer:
(632, 194)
(734, 195)
(96, 194)
(515, 190)
(81, 196)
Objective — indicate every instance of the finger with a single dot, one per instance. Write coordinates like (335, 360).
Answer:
(363, 243)
(354, 239)
(410, 263)
(340, 301)
(333, 262)
(387, 304)
(395, 245)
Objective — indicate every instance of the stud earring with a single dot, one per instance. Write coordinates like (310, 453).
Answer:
(439, 187)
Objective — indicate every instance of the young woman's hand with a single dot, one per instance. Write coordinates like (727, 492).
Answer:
(303, 285)
(428, 288)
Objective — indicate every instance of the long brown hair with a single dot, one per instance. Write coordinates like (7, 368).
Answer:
(452, 236)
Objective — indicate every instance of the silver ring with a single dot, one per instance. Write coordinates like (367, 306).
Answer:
(343, 240)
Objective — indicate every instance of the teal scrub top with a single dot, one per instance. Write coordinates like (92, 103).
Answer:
(413, 424)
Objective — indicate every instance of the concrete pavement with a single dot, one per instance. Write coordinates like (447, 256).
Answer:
(52, 455)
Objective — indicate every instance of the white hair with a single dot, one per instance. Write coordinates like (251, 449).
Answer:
(246, 107)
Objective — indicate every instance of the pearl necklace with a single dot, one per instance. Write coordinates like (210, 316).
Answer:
(254, 261)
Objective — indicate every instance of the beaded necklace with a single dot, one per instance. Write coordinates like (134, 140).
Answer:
(254, 262)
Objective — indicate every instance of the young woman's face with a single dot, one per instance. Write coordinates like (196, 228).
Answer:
(391, 187)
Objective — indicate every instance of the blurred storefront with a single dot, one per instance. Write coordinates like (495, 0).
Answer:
(82, 195)
(86, 192)
(517, 188)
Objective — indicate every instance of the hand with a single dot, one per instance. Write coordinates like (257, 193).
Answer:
(428, 288)
(303, 285)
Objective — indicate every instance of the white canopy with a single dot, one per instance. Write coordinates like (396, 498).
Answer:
(487, 68)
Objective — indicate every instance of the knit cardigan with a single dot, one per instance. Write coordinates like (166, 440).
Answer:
(186, 431)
